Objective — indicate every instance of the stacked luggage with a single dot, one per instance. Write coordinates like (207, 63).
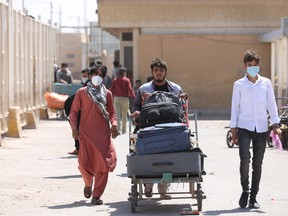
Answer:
(163, 150)
(164, 140)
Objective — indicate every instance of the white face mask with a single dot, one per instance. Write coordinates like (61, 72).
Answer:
(84, 79)
(96, 80)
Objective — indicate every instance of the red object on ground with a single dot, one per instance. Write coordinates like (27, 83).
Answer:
(54, 100)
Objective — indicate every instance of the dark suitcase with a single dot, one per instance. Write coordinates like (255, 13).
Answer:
(154, 165)
(161, 138)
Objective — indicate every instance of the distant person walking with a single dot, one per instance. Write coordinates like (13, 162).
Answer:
(115, 71)
(138, 83)
(97, 155)
(122, 90)
(68, 104)
(252, 100)
(56, 68)
(107, 81)
(64, 75)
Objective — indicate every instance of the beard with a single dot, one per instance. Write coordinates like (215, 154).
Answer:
(159, 80)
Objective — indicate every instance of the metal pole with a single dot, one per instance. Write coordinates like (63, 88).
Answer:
(60, 18)
(51, 13)
(11, 54)
(86, 34)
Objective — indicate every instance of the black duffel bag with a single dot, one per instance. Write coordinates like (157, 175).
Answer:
(161, 107)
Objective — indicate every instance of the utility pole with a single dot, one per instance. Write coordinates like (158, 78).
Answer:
(23, 5)
(60, 18)
(51, 13)
(86, 34)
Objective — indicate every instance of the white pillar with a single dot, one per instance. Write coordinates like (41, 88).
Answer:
(135, 54)
(273, 63)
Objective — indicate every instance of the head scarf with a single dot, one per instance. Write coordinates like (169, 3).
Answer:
(98, 96)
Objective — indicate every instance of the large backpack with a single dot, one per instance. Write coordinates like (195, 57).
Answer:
(161, 107)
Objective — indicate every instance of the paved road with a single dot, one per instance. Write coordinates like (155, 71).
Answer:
(38, 177)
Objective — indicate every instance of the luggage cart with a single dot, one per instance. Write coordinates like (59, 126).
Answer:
(179, 167)
(64, 90)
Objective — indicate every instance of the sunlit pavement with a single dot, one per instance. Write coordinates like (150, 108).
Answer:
(38, 177)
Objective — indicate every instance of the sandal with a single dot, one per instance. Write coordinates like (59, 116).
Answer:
(87, 192)
(148, 192)
(96, 201)
(165, 196)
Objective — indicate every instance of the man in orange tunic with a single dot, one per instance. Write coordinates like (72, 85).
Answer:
(97, 155)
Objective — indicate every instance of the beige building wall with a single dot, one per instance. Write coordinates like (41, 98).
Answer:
(205, 67)
(203, 42)
(192, 15)
(71, 51)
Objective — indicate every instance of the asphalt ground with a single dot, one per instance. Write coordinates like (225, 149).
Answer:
(38, 177)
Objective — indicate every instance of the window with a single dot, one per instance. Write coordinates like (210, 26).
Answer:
(71, 55)
(127, 36)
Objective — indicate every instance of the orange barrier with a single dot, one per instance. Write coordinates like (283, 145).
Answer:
(54, 100)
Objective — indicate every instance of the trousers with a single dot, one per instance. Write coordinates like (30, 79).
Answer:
(121, 106)
(100, 181)
(258, 149)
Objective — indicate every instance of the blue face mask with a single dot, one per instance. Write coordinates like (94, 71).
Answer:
(253, 70)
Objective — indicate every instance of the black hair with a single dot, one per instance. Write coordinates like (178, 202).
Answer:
(116, 63)
(91, 64)
(158, 63)
(64, 65)
(104, 70)
(93, 70)
(149, 78)
(85, 70)
(251, 55)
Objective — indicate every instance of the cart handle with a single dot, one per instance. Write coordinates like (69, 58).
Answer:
(163, 164)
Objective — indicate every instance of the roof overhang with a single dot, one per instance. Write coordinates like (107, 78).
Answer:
(276, 34)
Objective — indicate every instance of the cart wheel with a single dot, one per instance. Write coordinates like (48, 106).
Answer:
(199, 196)
(229, 142)
(133, 197)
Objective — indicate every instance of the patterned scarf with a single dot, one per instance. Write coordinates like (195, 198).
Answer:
(98, 96)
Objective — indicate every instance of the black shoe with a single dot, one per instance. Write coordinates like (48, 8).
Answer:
(96, 201)
(243, 199)
(87, 192)
(253, 203)
(75, 152)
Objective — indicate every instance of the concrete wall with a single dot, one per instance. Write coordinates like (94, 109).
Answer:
(28, 52)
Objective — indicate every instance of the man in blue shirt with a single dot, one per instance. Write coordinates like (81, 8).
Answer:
(252, 101)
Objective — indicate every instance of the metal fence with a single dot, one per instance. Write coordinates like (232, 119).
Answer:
(28, 52)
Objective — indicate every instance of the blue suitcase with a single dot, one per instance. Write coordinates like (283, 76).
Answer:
(162, 138)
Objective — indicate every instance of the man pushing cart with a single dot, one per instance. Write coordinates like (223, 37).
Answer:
(163, 151)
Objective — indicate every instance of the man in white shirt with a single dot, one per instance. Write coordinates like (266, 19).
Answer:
(252, 100)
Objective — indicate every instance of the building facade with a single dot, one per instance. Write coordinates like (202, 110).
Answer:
(203, 42)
